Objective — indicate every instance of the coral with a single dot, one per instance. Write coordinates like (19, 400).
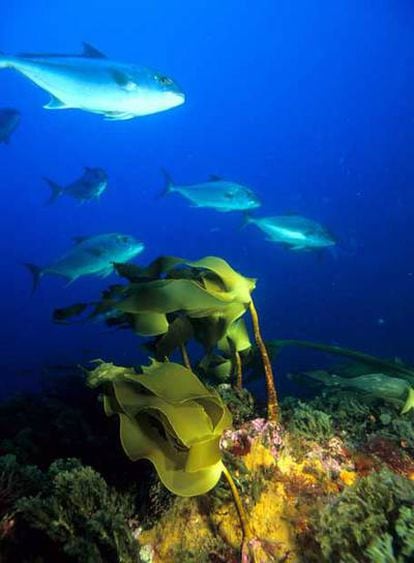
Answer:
(257, 431)
(311, 423)
(16, 481)
(400, 429)
(75, 515)
(240, 403)
(348, 526)
(357, 420)
(391, 454)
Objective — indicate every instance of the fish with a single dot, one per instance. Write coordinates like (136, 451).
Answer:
(294, 231)
(379, 385)
(94, 83)
(217, 193)
(9, 121)
(90, 185)
(64, 314)
(94, 255)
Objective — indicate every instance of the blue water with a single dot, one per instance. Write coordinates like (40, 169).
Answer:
(309, 103)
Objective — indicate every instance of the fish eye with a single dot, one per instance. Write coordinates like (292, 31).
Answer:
(163, 80)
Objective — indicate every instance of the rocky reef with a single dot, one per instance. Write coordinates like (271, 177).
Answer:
(334, 480)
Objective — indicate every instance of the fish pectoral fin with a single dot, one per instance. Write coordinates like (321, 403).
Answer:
(297, 247)
(55, 103)
(91, 52)
(118, 116)
(106, 272)
(98, 252)
(409, 403)
(79, 239)
(124, 80)
(70, 280)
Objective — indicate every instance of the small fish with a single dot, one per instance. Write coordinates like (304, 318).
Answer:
(294, 231)
(94, 83)
(217, 194)
(93, 255)
(64, 314)
(9, 120)
(89, 186)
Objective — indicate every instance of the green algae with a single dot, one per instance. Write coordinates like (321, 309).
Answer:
(348, 527)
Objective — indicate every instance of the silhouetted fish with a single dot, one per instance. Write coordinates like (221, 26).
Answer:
(9, 120)
(89, 186)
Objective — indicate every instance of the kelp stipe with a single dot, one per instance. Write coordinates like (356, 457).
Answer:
(174, 301)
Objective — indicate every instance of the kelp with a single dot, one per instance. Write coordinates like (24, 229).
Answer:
(170, 418)
(394, 384)
(393, 369)
(378, 385)
(174, 301)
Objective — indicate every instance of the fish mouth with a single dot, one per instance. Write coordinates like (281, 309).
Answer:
(179, 98)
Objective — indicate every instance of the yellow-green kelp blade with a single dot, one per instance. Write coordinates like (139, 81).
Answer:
(170, 418)
(142, 440)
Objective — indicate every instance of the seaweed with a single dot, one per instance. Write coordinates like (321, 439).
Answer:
(347, 528)
(311, 423)
(72, 516)
(240, 403)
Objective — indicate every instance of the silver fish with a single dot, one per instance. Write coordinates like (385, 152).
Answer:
(93, 255)
(294, 231)
(9, 120)
(94, 83)
(217, 194)
(90, 185)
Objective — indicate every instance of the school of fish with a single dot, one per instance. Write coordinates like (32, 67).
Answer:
(94, 83)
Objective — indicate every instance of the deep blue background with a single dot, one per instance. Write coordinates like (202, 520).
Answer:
(310, 103)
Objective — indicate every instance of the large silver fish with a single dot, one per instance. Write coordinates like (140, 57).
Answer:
(217, 194)
(92, 82)
(93, 255)
(294, 231)
(90, 185)
(9, 120)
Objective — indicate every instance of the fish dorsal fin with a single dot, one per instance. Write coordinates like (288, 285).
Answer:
(92, 53)
(215, 178)
(79, 240)
(54, 103)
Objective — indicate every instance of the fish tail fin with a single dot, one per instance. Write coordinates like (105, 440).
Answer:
(247, 218)
(5, 62)
(57, 191)
(168, 183)
(409, 403)
(36, 273)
